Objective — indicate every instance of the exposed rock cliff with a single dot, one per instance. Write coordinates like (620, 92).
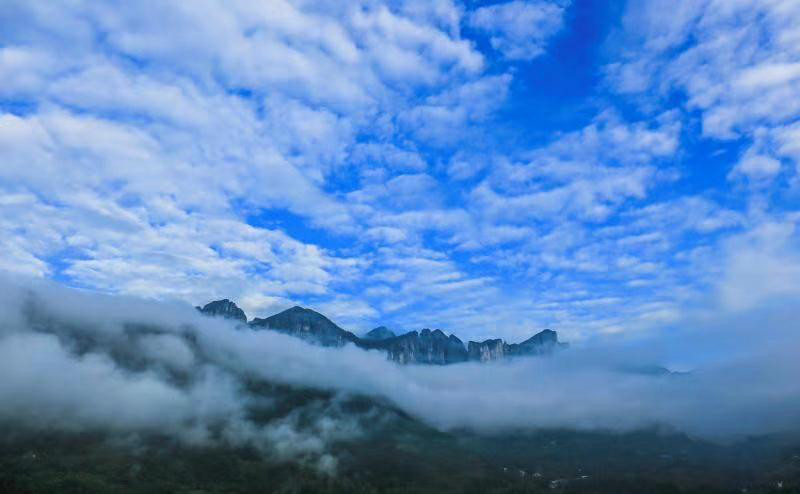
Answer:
(542, 343)
(487, 350)
(424, 347)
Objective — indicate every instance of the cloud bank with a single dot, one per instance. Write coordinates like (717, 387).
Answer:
(76, 361)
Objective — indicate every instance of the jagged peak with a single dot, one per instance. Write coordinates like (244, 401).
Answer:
(222, 301)
(224, 308)
(433, 333)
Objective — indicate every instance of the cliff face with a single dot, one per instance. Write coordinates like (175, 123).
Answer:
(423, 347)
(434, 347)
(487, 350)
(542, 343)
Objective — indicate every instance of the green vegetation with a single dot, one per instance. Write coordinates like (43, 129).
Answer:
(395, 453)
(404, 457)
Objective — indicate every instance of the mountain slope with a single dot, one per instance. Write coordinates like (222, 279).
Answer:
(307, 324)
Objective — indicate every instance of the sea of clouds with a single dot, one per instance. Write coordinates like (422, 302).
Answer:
(72, 360)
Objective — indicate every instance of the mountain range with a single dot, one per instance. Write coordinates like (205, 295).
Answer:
(414, 347)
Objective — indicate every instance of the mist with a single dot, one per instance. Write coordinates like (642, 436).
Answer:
(80, 361)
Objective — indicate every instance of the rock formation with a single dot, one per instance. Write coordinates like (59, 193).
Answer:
(423, 347)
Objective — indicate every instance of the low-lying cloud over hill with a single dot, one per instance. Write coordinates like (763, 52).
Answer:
(75, 361)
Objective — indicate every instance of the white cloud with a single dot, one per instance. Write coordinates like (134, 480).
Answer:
(762, 266)
(756, 167)
(519, 29)
(445, 118)
(146, 148)
(340, 153)
(588, 173)
(584, 388)
(394, 157)
(737, 63)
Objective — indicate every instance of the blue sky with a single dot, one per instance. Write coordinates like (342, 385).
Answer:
(488, 168)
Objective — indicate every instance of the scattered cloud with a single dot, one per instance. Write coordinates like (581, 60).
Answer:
(736, 63)
(519, 29)
(389, 162)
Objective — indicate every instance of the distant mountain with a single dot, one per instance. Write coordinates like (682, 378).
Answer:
(307, 324)
(542, 343)
(650, 370)
(224, 308)
(380, 333)
(423, 347)
(485, 351)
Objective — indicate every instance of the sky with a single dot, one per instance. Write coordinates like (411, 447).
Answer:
(487, 168)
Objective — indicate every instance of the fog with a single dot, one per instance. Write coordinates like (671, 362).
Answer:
(75, 361)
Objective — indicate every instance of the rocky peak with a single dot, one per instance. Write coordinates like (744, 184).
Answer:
(546, 336)
(438, 334)
(380, 333)
(224, 308)
(307, 324)
(542, 343)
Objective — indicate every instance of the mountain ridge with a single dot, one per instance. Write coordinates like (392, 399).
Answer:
(413, 347)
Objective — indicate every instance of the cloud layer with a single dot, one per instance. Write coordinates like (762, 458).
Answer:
(78, 361)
